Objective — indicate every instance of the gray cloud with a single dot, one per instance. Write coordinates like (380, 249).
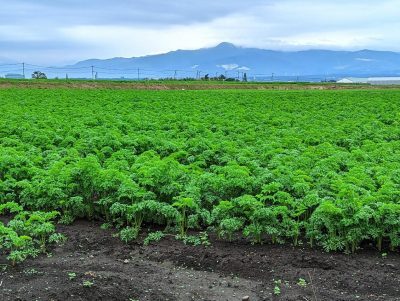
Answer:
(121, 12)
(64, 31)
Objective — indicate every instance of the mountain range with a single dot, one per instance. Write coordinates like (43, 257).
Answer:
(233, 61)
(230, 59)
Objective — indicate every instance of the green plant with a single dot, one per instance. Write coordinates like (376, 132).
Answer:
(18, 247)
(323, 227)
(302, 282)
(11, 207)
(153, 237)
(40, 226)
(66, 219)
(229, 226)
(184, 205)
(71, 276)
(57, 238)
(203, 236)
(18, 256)
(105, 226)
(31, 271)
(87, 283)
(189, 239)
(134, 215)
(231, 216)
(27, 234)
(277, 287)
(128, 234)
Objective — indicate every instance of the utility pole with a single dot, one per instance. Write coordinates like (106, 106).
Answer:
(272, 76)
(175, 72)
(92, 72)
(23, 69)
(138, 74)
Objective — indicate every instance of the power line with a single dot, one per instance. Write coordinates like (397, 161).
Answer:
(61, 68)
(16, 64)
(139, 73)
(59, 71)
(9, 71)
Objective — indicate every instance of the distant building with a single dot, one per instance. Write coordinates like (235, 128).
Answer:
(353, 80)
(384, 80)
(371, 80)
(14, 76)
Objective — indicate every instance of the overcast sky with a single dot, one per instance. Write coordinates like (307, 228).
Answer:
(66, 31)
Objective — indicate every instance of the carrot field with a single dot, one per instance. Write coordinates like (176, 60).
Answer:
(217, 171)
(318, 167)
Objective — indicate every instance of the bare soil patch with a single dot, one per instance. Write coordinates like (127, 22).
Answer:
(107, 269)
(181, 85)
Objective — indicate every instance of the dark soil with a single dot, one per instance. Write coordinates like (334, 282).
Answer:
(107, 269)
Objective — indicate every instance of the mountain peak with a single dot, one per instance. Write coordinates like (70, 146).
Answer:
(226, 45)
